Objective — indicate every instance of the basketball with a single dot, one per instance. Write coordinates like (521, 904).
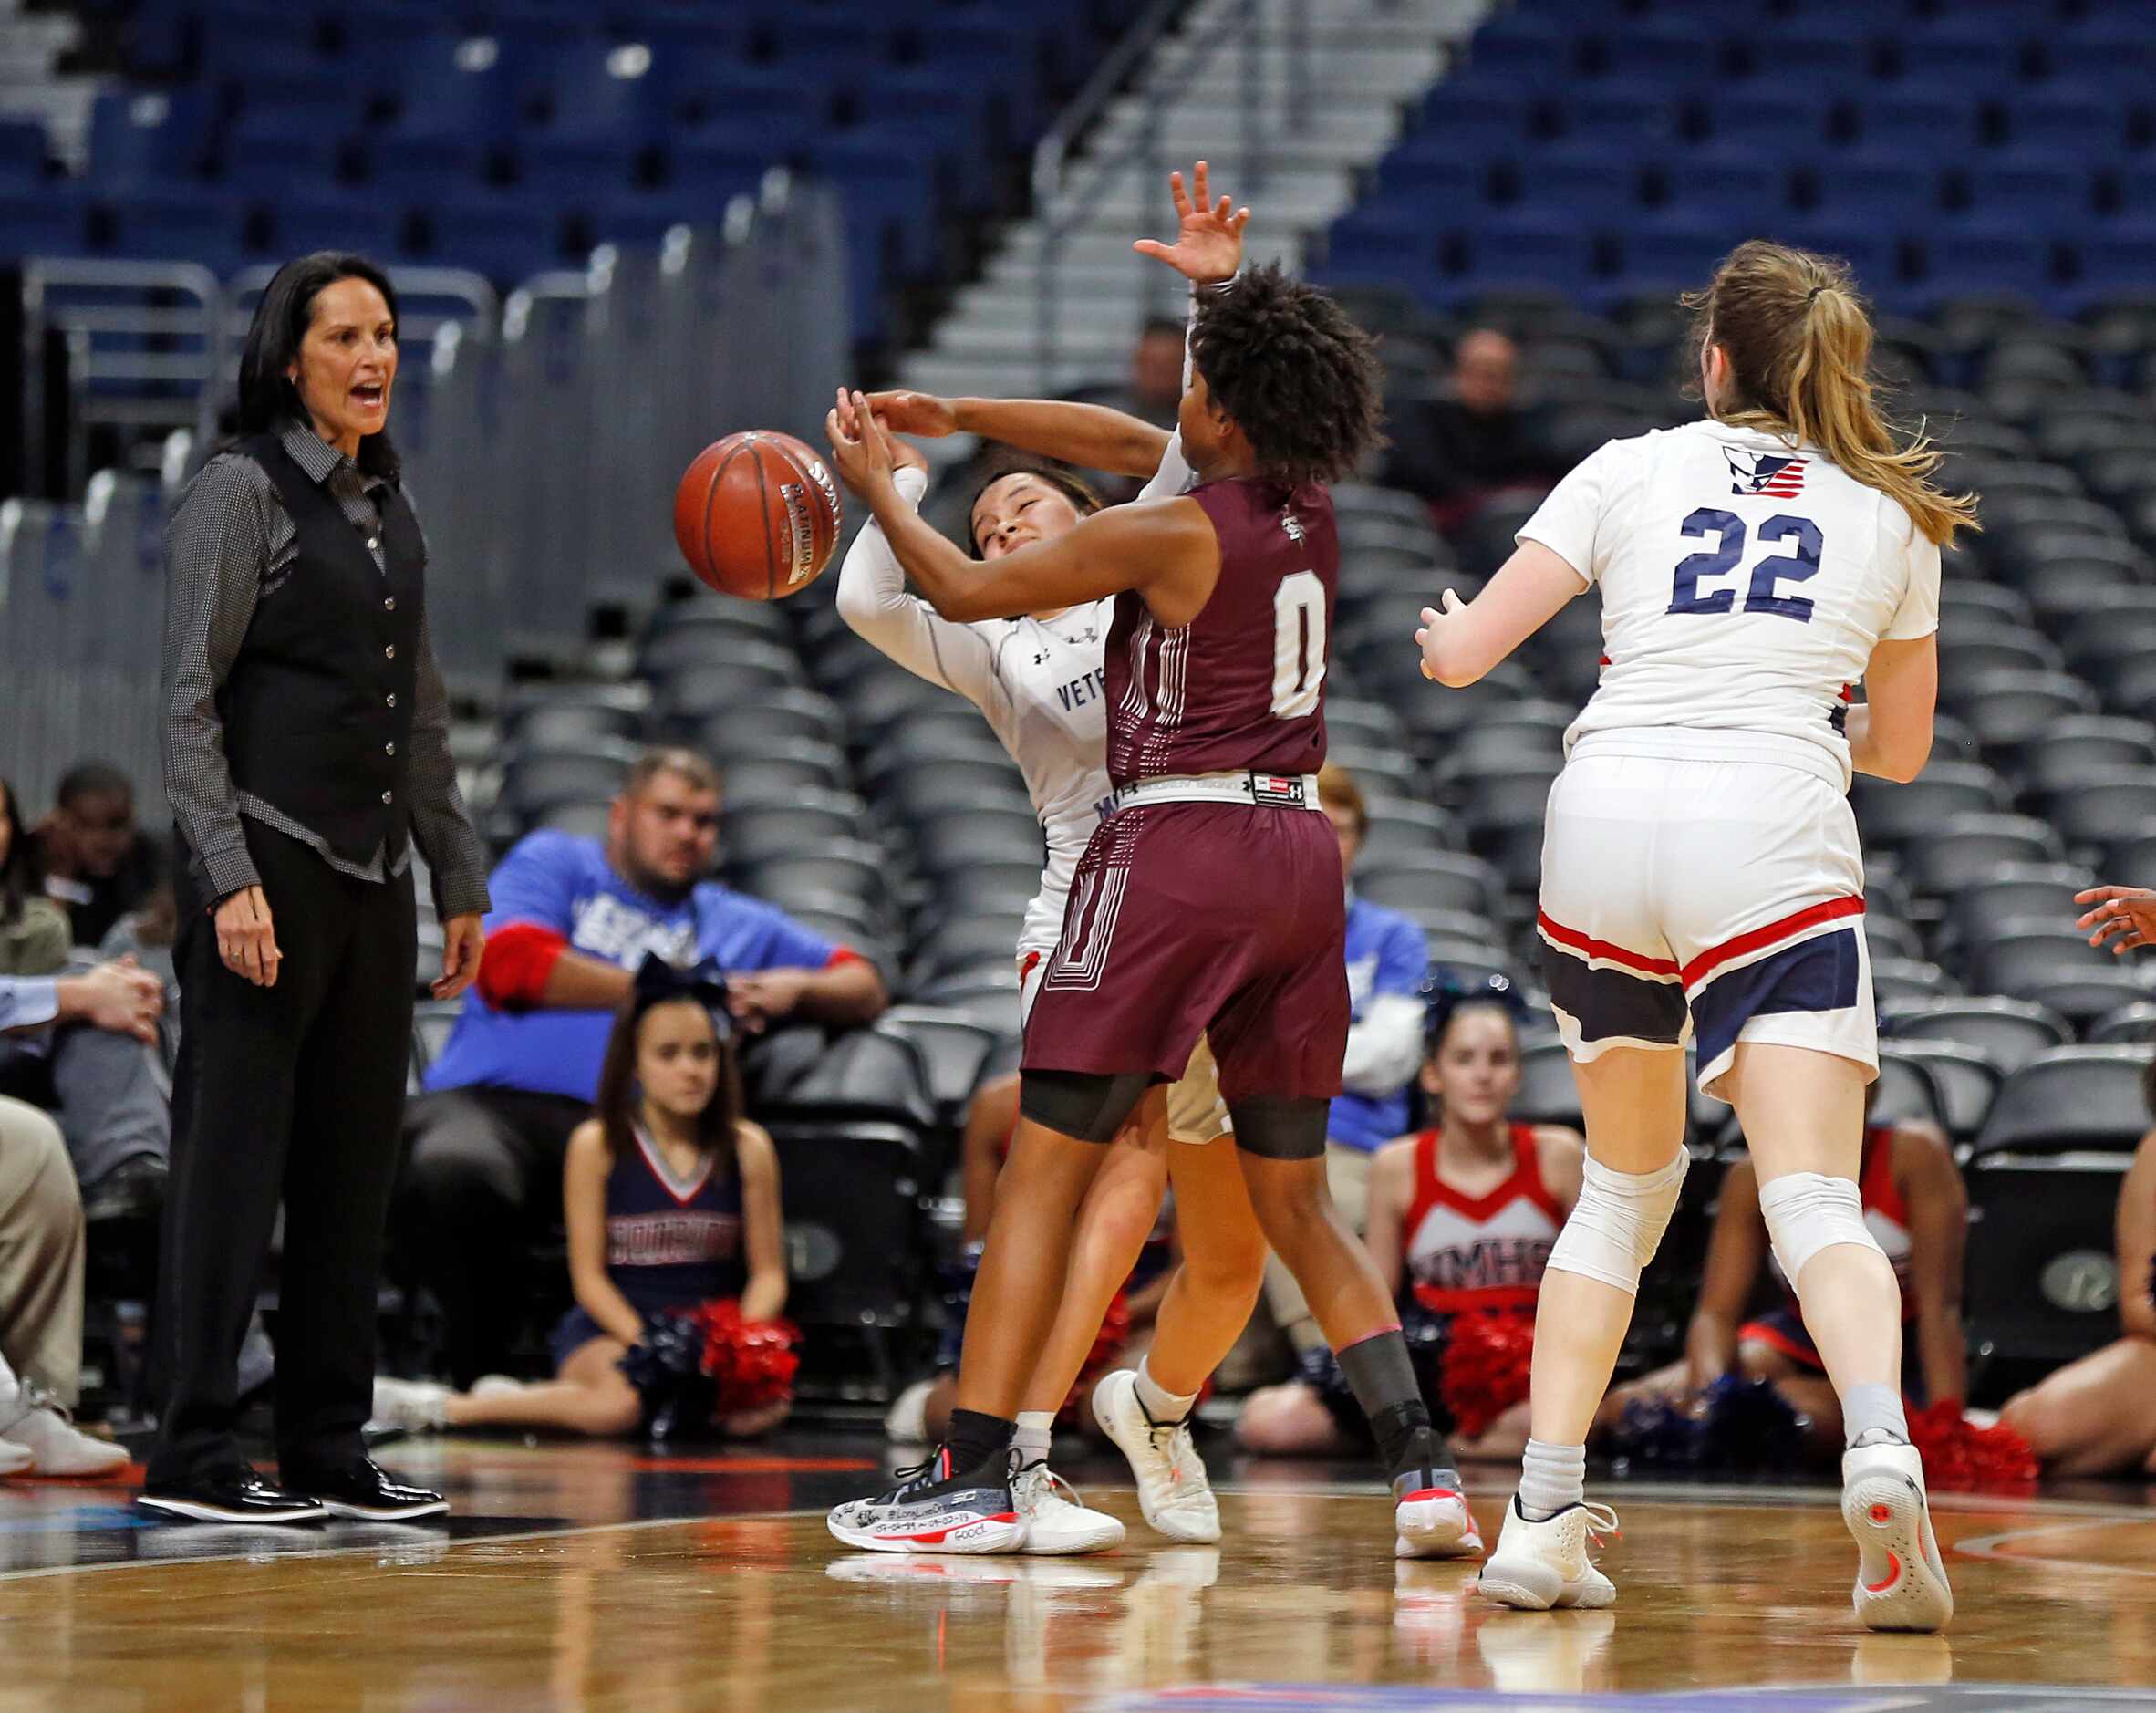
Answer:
(757, 514)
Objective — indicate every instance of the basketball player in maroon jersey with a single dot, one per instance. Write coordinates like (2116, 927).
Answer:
(1209, 902)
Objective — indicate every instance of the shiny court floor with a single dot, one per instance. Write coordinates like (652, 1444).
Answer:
(590, 1576)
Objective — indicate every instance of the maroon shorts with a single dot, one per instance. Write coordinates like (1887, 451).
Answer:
(1190, 919)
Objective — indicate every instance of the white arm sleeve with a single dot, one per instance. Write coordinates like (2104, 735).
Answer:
(1386, 1047)
(873, 601)
(1175, 475)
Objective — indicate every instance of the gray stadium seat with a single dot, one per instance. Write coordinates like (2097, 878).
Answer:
(2023, 952)
(593, 770)
(1548, 1093)
(1892, 813)
(2128, 1026)
(755, 833)
(2006, 709)
(1964, 1082)
(1445, 880)
(2106, 809)
(2082, 999)
(2033, 891)
(2010, 1032)
(2042, 1219)
(2070, 1097)
(1968, 846)
(1908, 1092)
(1894, 980)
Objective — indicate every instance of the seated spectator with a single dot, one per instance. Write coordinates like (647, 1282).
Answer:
(1462, 1218)
(84, 1046)
(1388, 956)
(41, 1255)
(1471, 440)
(1152, 391)
(1914, 1204)
(572, 919)
(90, 856)
(35, 935)
(672, 1201)
(2098, 1416)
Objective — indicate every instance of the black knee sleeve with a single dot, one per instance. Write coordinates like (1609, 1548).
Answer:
(1086, 1104)
(1280, 1129)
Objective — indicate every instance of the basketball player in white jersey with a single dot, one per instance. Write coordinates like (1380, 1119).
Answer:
(1701, 876)
(1037, 681)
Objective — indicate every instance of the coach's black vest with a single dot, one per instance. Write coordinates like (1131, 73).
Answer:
(317, 705)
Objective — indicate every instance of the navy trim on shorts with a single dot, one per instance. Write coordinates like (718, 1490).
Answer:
(1817, 975)
(1608, 1003)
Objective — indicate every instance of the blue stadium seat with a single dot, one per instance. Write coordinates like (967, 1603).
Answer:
(1735, 180)
(598, 89)
(1527, 48)
(705, 170)
(1980, 254)
(1387, 234)
(22, 157)
(180, 225)
(1983, 53)
(1819, 54)
(1873, 253)
(237, 41)
(298, 227)
(1467, 107)
(155, 135)
(1599, 184)
(1766, 118)
(447, 85)
(2117, 261)
(276, 146)
(53, 220)
(396, 159)
(575, 172)
(1550, 252)
(1669, 53)
(2093, 119)
(1443, 184)
(2137, 190)
(2114, 50)
(507, 238)
(2037, 183)
(1673, 251)
(1933, 126)
(1620, 116)
(1862, 184)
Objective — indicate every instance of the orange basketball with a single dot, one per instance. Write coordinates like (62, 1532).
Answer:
(757, 514)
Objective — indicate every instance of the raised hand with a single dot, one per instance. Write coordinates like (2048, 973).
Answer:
(858, 445)
(2123, 917)
(1209, 245)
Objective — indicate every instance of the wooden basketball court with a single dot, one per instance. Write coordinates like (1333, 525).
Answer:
(595, 1576)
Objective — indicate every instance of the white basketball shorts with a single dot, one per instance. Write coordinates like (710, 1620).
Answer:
(1196, 1112)
(1688, 899)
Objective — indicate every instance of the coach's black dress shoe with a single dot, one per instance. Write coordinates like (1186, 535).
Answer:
(229, 1495)
(361, 1490)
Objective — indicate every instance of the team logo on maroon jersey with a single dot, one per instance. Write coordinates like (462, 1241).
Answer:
(1278, 791)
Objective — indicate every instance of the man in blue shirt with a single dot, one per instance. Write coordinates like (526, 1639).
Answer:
(571, 921)
(1387, 958)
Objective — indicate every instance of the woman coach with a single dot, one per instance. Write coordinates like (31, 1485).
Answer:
(305, 749)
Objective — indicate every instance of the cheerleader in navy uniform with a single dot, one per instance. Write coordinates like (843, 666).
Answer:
(1462, 1218)
(672, 1202)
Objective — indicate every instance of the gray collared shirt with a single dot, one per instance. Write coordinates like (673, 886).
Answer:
(230, 538)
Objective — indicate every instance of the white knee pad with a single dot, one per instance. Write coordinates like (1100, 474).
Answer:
(1808, 1211)
(1618, 1222)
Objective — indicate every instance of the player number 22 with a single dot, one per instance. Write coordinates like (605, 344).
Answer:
(1763, 593)
(1298, 644)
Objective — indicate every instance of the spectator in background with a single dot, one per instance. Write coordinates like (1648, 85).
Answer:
(91, 858)
(1152, 391)
(41, 1250)
(35, 937)
(2098, 1416)
(1388, 956)
(571, 921)
(1471, 442)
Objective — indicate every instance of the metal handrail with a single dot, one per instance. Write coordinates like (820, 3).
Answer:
(1050, 180)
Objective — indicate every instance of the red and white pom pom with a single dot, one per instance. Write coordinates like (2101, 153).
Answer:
(751, 1363)
(1961, 1458)
(1486, 1361)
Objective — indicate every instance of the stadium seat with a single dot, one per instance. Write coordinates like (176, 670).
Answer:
(1963, 1082)
(2068, 1098)
(2009, 1033)
(2132, 1025)
(954, 1051)
(1907, 1092)
(1549, 1092)
(2043, 1219)
(2105, 808)
(1900, 813)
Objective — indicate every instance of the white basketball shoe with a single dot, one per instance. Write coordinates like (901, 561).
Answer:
(1057, 1520)
(1173, 1489)
(1901, 1582)
(1538, 1565)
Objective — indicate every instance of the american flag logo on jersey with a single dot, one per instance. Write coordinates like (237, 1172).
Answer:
(1764, 473)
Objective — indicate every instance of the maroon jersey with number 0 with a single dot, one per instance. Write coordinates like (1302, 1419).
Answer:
(1242, 685)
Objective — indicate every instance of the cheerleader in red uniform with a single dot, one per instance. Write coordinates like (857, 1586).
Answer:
(1914, 1205)
(1461, 1220)
(2098, 1416)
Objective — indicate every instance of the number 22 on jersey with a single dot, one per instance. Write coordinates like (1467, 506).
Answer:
(1763, 593)
(1298, 644)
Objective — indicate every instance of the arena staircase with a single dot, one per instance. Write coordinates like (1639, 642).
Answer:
(1288, 99)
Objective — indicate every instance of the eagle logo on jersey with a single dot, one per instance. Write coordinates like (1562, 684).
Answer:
(1763, 474)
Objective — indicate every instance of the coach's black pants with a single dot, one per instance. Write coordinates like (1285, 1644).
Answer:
(293, 1094)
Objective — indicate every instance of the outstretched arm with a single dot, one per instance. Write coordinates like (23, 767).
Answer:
(1166, 551)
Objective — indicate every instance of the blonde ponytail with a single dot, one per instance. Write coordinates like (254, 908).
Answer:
(1799, 347)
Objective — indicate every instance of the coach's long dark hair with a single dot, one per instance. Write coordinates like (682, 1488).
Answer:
(659, 983)
(268, 399)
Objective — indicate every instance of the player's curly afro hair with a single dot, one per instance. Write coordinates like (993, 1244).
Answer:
(1294, 373)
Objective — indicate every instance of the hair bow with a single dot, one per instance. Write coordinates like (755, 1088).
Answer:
(1444, 993)
(704, 981)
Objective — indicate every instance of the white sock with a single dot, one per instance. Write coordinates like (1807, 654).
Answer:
(1036, 1431)
(1160, 1404)
(1873, 1415)
(1551, 1477)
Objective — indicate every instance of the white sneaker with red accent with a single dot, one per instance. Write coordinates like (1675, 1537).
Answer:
(1431, 1519)
(1538, 1565)
(1901, 1582)
(1174, 1491)
(1058, 1522)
